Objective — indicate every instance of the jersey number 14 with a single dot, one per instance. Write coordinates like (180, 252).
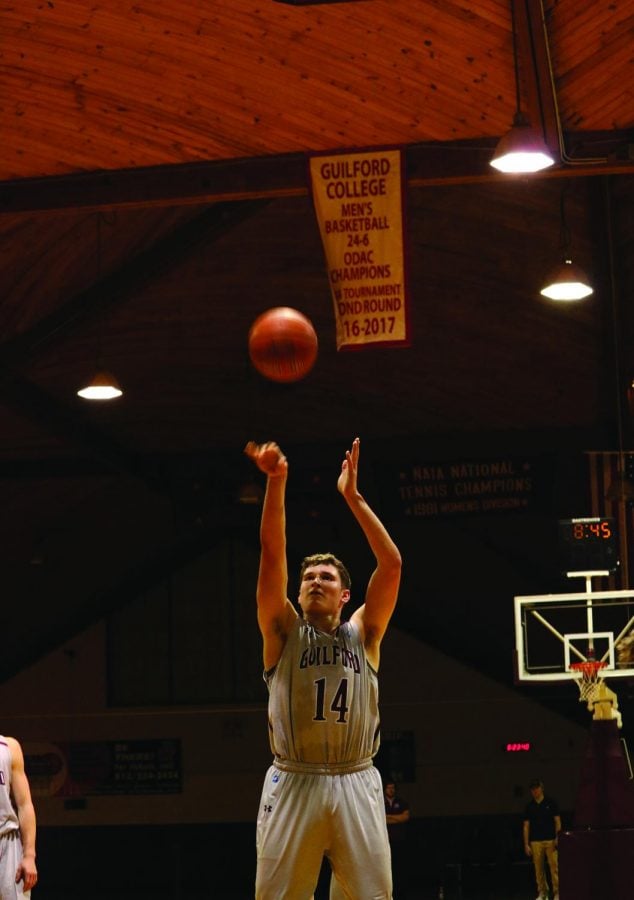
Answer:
(338, 704)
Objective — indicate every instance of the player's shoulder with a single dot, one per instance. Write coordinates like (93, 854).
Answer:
(352, 632)
(11, 745)
(351, 626)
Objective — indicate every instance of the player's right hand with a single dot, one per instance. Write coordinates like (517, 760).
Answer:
(27, 872)
(268, 458)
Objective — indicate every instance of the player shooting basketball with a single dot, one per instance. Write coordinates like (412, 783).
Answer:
(322, 796)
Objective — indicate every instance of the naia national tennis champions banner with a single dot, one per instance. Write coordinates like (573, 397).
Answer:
(358, 200)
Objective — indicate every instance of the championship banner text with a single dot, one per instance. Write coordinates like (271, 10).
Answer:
(358, 200)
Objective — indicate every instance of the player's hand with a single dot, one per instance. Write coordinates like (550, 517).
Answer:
(268, 458)
(27, 872)
(347, 481)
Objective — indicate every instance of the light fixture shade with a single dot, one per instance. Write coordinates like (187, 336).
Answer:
(522, 149)
(567, 282)
(102, 386)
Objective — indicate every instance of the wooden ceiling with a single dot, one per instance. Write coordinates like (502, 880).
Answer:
(154, 199)
(119, 85)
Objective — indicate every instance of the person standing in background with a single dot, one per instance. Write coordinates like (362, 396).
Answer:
(397, 817)
(542, 824)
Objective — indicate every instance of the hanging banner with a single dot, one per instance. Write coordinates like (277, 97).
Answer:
(358, 200)
(441, 489)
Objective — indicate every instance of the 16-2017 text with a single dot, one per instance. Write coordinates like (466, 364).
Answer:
(369, 327)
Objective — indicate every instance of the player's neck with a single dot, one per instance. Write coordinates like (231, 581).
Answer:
(327, 624)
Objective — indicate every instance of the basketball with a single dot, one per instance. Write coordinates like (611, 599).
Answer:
(283, 344)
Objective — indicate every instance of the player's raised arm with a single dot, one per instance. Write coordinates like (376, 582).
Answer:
(382, 592)
(275, 611)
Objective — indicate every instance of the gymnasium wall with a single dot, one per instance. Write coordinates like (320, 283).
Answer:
(445, 729)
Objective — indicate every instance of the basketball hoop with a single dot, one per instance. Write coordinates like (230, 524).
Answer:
(588, 677)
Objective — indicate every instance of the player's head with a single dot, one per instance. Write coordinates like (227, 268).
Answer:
(324, 586)
(327, 559)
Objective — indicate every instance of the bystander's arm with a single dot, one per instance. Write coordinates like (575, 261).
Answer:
(527, 846)
(397, 818)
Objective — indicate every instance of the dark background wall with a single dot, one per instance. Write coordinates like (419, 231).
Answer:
(182, 663)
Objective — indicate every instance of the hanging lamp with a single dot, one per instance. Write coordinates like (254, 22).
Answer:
(567, 281)
(523, 148)
(103, 385)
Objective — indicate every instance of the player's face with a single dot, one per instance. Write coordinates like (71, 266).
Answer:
(321, 590)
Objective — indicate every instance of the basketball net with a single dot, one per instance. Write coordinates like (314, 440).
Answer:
(588, 678)
(594, 692)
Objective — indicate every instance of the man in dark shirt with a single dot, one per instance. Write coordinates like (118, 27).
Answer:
(542, 824)
(397, 817)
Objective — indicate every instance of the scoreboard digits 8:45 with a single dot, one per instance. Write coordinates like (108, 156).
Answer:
(584, 530)
(588, 544)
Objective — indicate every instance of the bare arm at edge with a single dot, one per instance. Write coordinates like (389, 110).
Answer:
(27, 870)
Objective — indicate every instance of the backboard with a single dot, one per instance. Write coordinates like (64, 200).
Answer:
(553, 631)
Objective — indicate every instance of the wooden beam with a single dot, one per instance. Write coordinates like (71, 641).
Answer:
(269, 177)
(133, 274)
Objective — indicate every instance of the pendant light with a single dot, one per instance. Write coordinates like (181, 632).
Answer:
(567, 282)
(102, 385)
(523, 148)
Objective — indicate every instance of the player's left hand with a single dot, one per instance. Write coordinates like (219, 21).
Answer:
(27, 872)
(347, 481)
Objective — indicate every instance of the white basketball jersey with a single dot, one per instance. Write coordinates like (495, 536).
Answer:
(323, 698)
(8, 816)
